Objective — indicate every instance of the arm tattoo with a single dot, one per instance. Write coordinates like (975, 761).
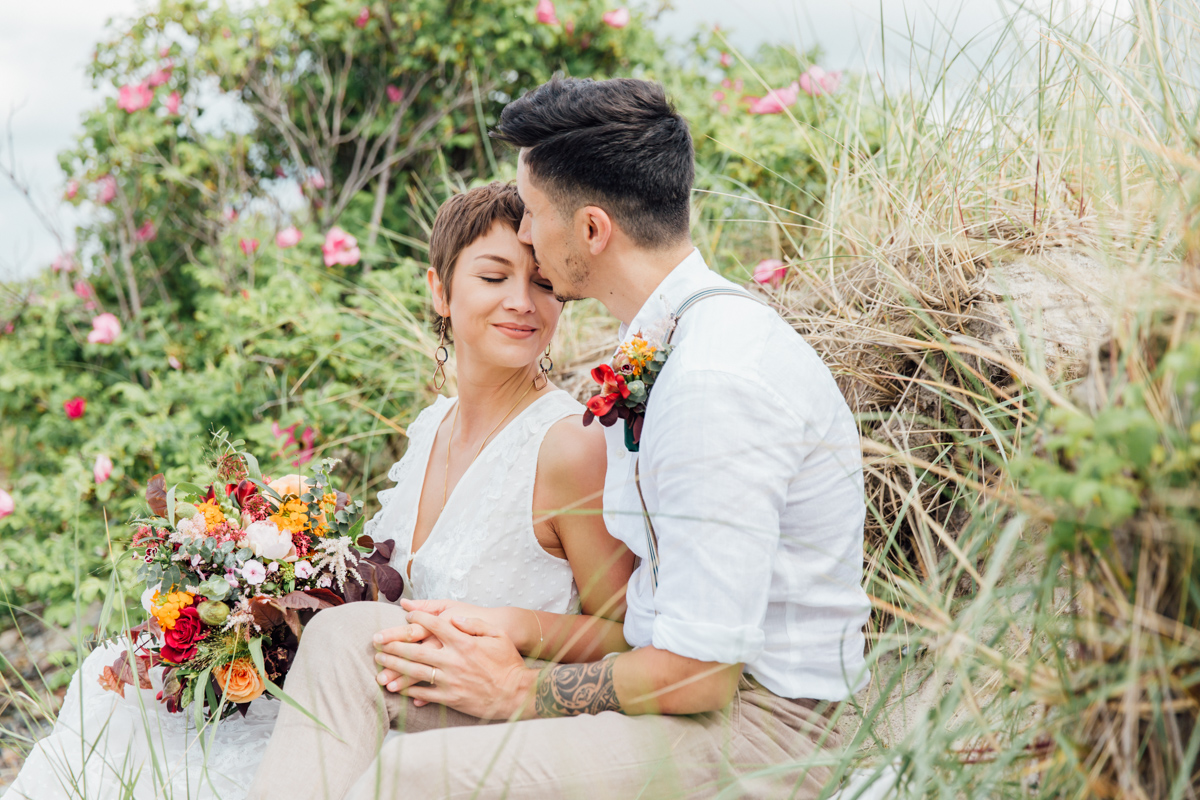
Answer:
(565, 690)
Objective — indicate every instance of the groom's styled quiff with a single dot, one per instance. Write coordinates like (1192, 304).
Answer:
(618, 144)
(467, 216)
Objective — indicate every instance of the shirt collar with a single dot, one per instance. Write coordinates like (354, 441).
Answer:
(687, 276)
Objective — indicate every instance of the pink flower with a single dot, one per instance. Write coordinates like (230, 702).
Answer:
(738, 85)
(770, 271)
(718, 96)
(317, 181)
(102, 468)
(303, 570)
(164, 51)
(173, 103)
(618, 18)
(727, 84)
(288, 237)
(134, 97)
(816, 81)
(254, 572)
(146, 233)
(340, 248)
(174, 362)
(776, 100)
(83, 290)
(249, 246)
(231, 214)
(723, 108)
(545, 13)
(394, 94)
(72, 189)
(364, 17)
(161, 75)
(726, 60)
(75, 407)
(569, 26)
(7, 506)
(107, 186)
(105, 329)
(65, 262)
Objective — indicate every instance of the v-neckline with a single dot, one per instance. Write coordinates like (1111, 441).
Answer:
(412, 529)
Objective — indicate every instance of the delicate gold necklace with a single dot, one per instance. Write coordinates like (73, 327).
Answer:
(450, 440)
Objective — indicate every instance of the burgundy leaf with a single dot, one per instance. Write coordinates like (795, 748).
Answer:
(156, 495)
(300, 600)
(326, 596)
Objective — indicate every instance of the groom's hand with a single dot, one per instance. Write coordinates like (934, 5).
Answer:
(479, 670)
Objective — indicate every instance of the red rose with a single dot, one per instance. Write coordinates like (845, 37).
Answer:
(601, 404)
(75, 407)
(181, 640)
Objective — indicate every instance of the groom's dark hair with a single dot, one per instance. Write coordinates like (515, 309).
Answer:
(617, 144)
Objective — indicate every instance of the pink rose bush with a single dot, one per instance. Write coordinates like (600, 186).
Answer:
(134, 97)
(146, 233)
(105, 329)
(340, 248)
(288, 237)
(770, 271)
(161, 75)
(394, 94)
(75, 407)
(172, 103)
(65, 262)
(816, 81)
(618, 18)
(102, 469)
(249, 246)
(546, 13)
(72, 189)
(776, 100)
(7, 505)
(364, 17)
(106, 189)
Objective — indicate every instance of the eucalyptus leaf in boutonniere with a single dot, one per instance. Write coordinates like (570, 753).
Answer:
(625, 386)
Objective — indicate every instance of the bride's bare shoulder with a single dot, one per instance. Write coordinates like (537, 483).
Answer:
(573, 457)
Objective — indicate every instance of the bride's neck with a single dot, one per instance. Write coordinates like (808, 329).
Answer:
(486, 395)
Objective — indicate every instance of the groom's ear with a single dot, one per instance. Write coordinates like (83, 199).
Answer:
(594, 227)
(437, 293)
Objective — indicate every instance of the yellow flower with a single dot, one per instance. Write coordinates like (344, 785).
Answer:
(637, 352)
(166, 608)
(292, 516)
(213, 516)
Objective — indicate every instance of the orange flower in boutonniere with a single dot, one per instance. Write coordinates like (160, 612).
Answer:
(625, 387)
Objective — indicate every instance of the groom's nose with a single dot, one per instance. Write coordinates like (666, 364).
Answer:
(524, 234)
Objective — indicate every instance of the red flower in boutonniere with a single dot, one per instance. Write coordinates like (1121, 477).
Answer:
(625, 387)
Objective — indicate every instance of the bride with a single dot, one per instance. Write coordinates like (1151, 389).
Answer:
(471, 516)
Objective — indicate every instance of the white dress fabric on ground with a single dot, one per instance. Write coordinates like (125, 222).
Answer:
(482, 550)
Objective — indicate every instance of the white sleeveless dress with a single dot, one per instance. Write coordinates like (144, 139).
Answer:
(482, 550)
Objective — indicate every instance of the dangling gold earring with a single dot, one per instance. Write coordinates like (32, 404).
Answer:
(441, 356)
(545, 364)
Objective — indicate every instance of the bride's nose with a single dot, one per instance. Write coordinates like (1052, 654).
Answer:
(519, 298)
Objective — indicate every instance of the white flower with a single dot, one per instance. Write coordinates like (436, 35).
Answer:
(192, 528)
(303, 570)
(233, 582)
(324, 581)
(254, 572)
(148, 596)
(273, 567)
(655, 334)
(267, 541)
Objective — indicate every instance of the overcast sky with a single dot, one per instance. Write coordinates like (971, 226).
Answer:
(45, 45)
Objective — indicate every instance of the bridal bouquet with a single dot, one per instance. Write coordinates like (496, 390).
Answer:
(232, 572)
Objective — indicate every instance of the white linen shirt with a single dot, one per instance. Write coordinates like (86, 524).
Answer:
(752, 473)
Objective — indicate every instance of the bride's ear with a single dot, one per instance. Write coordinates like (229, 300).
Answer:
(437, 293)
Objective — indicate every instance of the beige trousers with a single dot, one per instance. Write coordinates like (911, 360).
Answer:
(761, 745)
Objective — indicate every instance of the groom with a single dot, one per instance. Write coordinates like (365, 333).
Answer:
(747, 634)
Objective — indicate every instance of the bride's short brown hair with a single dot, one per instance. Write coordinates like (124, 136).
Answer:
(467, 216)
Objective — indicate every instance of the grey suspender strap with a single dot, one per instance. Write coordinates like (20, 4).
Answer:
(651, 536)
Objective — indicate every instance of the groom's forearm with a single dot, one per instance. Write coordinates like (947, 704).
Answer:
(644, 681)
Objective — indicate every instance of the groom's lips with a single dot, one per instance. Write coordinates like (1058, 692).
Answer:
(515, 331)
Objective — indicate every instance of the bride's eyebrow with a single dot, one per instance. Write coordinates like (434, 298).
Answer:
(499, 259)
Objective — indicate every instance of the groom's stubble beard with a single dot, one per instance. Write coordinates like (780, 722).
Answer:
(575, 275)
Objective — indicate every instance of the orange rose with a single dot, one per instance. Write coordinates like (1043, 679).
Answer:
(240, 680)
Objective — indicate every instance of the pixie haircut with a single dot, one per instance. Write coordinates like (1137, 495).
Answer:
(467, 216)
(618, 144)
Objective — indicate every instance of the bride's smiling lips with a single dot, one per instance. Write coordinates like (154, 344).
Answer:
(515, 330)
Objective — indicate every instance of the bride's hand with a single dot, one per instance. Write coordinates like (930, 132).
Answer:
(410, 634)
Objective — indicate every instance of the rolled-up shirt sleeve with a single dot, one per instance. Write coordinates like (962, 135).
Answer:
(716, 478)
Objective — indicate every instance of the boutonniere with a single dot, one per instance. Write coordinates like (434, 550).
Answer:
(625, 386)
